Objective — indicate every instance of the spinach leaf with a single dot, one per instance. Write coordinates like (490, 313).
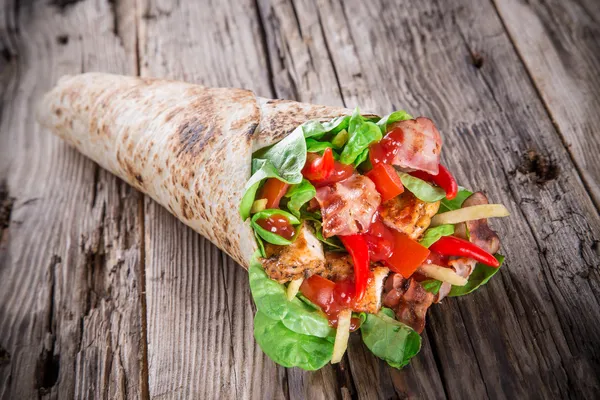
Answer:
(455, 203)
(299, 195)
(269, 296)
(421, 189)
(271, 237)
(432, 235)
(313, 129)
(389, 339)
(361, 134)
(270, 299)
(304, 319)
(314, 146)
(480, 276)
(391, 118)
(337, 124)
(288, 348)
(362, 157)
(284, 161)
(431, 285)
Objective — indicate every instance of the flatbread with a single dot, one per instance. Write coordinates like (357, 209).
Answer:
(186, 146)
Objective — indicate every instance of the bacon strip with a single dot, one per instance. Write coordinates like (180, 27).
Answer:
(408, 299)
(347, 207)
(421, 145)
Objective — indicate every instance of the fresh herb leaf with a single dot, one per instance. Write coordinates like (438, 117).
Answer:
(361, 134)
(337, 124)
(431, 285)
(432, 235)
(480, 276)
(270, 299)
(455, 203)
(389, 339)
(391, 118)
(421, 189)
(314, 146)
(289, 348)
(299, 195)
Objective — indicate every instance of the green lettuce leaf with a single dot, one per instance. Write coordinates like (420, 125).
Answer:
(289, 348)
(314, 146)
(284, 161)
(432, 235)
(299, 195)
(271, 300)
(431, 285)
(480, 276)
(421, 189)
(389, 339)
(391, 118)
(361, 134)
(455, 203)
(337, 125)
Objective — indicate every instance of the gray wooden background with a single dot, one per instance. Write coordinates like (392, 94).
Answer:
(104, 295)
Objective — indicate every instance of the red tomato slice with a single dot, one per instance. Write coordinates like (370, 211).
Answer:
(386, 181)
(273, 190)
(318, 290)
(318, 167)
(408, 254)
(339, 173)
(379, 240)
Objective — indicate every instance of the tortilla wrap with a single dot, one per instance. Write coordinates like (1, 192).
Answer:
(186, 146)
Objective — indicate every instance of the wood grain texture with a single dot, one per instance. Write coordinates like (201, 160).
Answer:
(69, 253)
(559, 42)
(90, 270)
(200, 336)
(427, 58)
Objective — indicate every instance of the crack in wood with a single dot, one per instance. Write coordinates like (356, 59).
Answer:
(6, 206)
(48, 363)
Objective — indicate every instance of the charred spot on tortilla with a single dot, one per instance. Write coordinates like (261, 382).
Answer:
(138, 177)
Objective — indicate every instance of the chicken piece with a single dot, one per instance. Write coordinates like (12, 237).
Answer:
(339, 267)
(408, 214)
(371, 301)
(301, 259)
(408, 299)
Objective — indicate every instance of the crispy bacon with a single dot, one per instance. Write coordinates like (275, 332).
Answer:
(347, 207)
(421, 145)
(480, 233)
(408, 299)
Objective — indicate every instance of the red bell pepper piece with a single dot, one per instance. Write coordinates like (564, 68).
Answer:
(359, 251)
(443, 179)
(408, 254)
(453, 246)
(318, 167)
(386, 180)
(273, 190)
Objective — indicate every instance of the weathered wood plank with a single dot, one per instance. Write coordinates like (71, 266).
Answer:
(426, 58)
(559, 42)
(200, 316)
(69, 252)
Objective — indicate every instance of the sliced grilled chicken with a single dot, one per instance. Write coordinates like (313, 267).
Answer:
(408, 214)
(301, 259)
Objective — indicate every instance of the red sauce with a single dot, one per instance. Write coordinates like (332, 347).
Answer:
(279, 225)
(386, 149)
(331, 297)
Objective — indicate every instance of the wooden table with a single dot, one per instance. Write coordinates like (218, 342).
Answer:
(104, 294)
